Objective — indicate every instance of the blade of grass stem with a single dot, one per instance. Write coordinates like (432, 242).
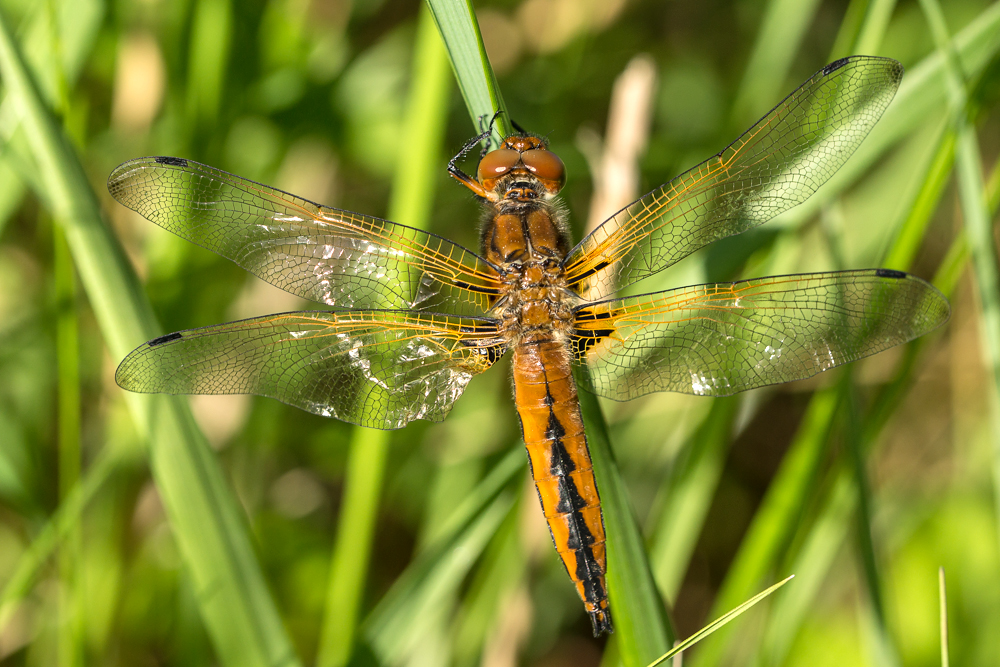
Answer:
(70, 628)
(873, 28)
(395, 624)
(781, 32)
(410, 202)
(642, 627)
(692, 487)
(977, 224)
(943, 612)
(887, 653)
(62, 521)
(211, 34)
(811, 564)
(862, 29)
(855, 16)
(502, 572)
(718, 623)
(70, 459)
(456, 20)
(778, 514)
(921, 207)
(234, 601)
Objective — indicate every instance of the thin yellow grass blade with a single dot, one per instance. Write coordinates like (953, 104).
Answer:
(718, 623)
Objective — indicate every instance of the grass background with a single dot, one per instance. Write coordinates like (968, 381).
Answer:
(132, 533)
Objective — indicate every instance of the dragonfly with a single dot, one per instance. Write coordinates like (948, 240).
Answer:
(413, 316)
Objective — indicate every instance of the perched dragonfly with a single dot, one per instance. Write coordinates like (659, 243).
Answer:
(416, 316)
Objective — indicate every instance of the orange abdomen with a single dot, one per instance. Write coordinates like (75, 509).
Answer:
(546, 399)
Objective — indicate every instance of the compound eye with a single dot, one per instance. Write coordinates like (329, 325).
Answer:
(497, 163)
(547, 167)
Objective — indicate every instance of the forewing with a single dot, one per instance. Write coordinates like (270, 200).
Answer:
(335, 257)
(777, 164)
(716, 340)
(380, 369)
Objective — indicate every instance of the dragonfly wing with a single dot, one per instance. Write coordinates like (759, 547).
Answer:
(717, 340)
(380, 369)
(343, 259)
(777, 164)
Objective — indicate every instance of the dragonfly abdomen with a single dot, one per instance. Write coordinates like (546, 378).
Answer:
(549, 411)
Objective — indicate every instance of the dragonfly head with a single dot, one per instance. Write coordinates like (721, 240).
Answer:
(522, 158)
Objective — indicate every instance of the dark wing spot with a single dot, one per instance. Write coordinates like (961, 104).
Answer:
(589, 272)
(835, 65)
(584, 339)
(474, 288)
(890, 273)
(584, 314)
(163, 339)
(492, 353)
(172, 161)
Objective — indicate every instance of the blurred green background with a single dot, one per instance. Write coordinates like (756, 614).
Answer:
(862, 481)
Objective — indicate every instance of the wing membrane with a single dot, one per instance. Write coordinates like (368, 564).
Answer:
(335, 257)
(777, 164)
(716, 340)
(380, 369)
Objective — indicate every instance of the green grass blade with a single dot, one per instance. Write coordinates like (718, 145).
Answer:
(70, 456)
(396, 623)
(412, 196)
(352, 545)
(978, 225)
(211, 33)
(814, 559)
(719, 622)
(236, 606)
(778, 38)
(850, 26)
(459, 27)
(887, 654)
(943, 607)
(642, 628)
(62, 521)
(692, 488)
(777, 515)
(923, 204)
(874, 26)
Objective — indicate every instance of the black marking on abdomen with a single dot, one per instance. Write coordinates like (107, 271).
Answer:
(561, 465)
(570, 499)
(579, 535)
(589, 573)
(579, 540)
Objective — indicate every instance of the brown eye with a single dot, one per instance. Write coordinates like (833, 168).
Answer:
(547, 167)
(497, 163)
